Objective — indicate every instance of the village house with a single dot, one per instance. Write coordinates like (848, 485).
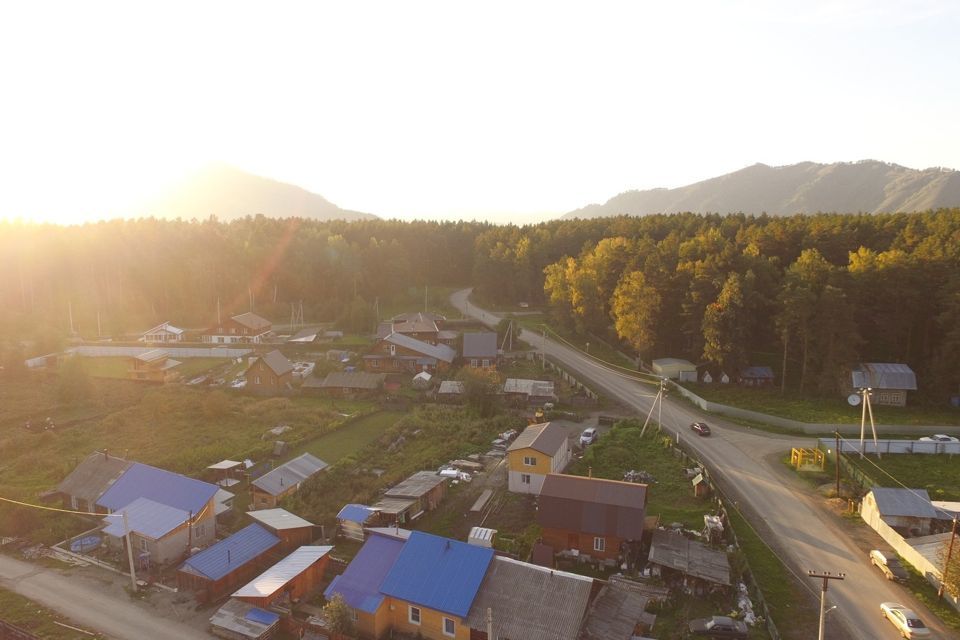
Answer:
(888, 382)
(292, 530)
(690, 564)
(908, 511)
(159, 534)
(271, 374)
(756, 377)
(480, 350)
(267, 490)
(152, 366)
(591, 516)
(246, 328)
(346, 384)
(221, 568)
(539, 450)
(397, 353)
(163, 334)
(83, 486)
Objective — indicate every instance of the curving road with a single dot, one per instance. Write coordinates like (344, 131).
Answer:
(745, 462)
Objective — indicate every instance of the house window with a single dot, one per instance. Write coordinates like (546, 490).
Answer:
(530, 461)
(374, 363)
(256, 380)
(449, 627)
(143, 544)
(414, 615)
(473, 362)
(485, 363)
(524, 478)
(599, 544)
(393, 349)
(353, 615)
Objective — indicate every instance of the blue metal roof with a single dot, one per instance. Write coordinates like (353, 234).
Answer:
(165, 487)
(262, 616)
(231, 553)
(147, 518)
(354, 513)
(360, 583)
(438, 573)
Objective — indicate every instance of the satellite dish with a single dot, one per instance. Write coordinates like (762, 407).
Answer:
(853, 399)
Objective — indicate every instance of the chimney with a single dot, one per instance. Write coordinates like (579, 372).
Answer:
(228, 556)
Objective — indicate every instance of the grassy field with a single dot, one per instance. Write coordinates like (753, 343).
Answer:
(352, 437)
(938, 474)
(623, 449)
(119, 367)
(821, 410)
(36, 619)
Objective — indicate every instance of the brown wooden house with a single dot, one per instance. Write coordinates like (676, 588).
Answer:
(480, 350)
(245, 328)
(153, 366)
(397, 353)
(295, 577)
(292, 530)
(223, 567)
(590, 516)
(271, 374)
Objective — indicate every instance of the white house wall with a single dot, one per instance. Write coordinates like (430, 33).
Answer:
(514, 484)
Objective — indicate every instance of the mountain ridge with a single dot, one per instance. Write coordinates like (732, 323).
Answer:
(867, 186)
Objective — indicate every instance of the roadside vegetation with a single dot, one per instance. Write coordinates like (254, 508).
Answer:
(36, 619)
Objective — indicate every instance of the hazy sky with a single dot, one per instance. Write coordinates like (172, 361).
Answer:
(505, 111)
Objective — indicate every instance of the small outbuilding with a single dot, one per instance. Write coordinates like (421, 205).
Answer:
(238, 620)
(756, 377)
(347, 384)
(687, 562)
(888, 381)
(290, 580)
(675, 369)
(450, 391)
(222, 567)
(292, 530)
(352, 519)
(425, 488)
(908, 511)
(267, 490)
(154, 365)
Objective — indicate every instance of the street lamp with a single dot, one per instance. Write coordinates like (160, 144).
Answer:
(827, 577)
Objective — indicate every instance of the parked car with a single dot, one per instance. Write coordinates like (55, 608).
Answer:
(905, 620)
(939, 438)
(589, 436)
(718, 627)
(889, 565)
(700, 428)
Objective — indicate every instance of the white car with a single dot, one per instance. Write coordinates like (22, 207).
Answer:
(905, 620)
(939, 438)
(589, 436)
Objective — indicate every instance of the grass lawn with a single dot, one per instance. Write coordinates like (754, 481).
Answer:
(938, 474)
(622, 449)
(353, 436)
(821, 410)
(107, 367)
(192, 367)
(36, 619)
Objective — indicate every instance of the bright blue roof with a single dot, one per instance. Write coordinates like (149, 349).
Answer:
(262, 616)
(438, 573)
(165, 487)
(146, 517)
(360, 583)
(354, 513)
(242, 547)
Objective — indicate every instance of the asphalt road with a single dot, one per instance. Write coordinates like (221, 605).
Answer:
(89, 607)
(745, 463)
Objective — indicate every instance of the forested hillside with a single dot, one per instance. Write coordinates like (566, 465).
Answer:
(815, 292)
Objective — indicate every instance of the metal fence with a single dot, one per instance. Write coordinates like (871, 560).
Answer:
(892, 446)
(90, 351)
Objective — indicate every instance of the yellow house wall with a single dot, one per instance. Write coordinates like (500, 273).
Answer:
(515, 461)
(431, 622)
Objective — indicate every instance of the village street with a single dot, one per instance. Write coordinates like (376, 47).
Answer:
(94, 602)
(745, 463)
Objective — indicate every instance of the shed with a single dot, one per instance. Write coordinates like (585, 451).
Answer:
(532, 391)
(619, 610)
(269, 488)
(90, 479)
(222, 567)
(347, 383)
(238, 620)
(352, 518)
(756, 377)
(908, 511)
(450, 391)
(691, 563)
(426, 488)
(530, 602)
(395, 510)
(292, 578)
(422, 380)
(292, 530)
(226, 472)
(889, 382)
(675, 369)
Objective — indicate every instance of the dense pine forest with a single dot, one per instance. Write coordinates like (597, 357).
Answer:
(809, 294)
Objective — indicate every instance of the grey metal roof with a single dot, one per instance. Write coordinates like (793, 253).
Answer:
(480, 345)
(547, 438)
(232, 616)
(884, 375)
(438, 351)
(167, 327)
(305, 335)
(416, 486)
(277, 576)
(252, 321)
(616, 610)
(418, 315)
(392, 506)
(415, 326)
(277, 362)
(279, 519)
(668, 362)
(93, 476)
(692, 558)
(904, 502)
(352, 380)
(290, 473)
(152, 355)
(530, 602)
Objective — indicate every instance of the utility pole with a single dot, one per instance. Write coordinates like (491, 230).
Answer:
(827, 577)
(126, 535)
(543, 347)
(946, 565)
(837, 460)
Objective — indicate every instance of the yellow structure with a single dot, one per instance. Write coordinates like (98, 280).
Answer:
(800, 458)
(541, 449)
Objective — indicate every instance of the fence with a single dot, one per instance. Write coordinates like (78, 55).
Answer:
(571, 379)
(90, 351)
(892, 446)
(10, 631)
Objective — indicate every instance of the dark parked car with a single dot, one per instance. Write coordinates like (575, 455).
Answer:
(700, 428)
(889, 564)
(718, 627)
